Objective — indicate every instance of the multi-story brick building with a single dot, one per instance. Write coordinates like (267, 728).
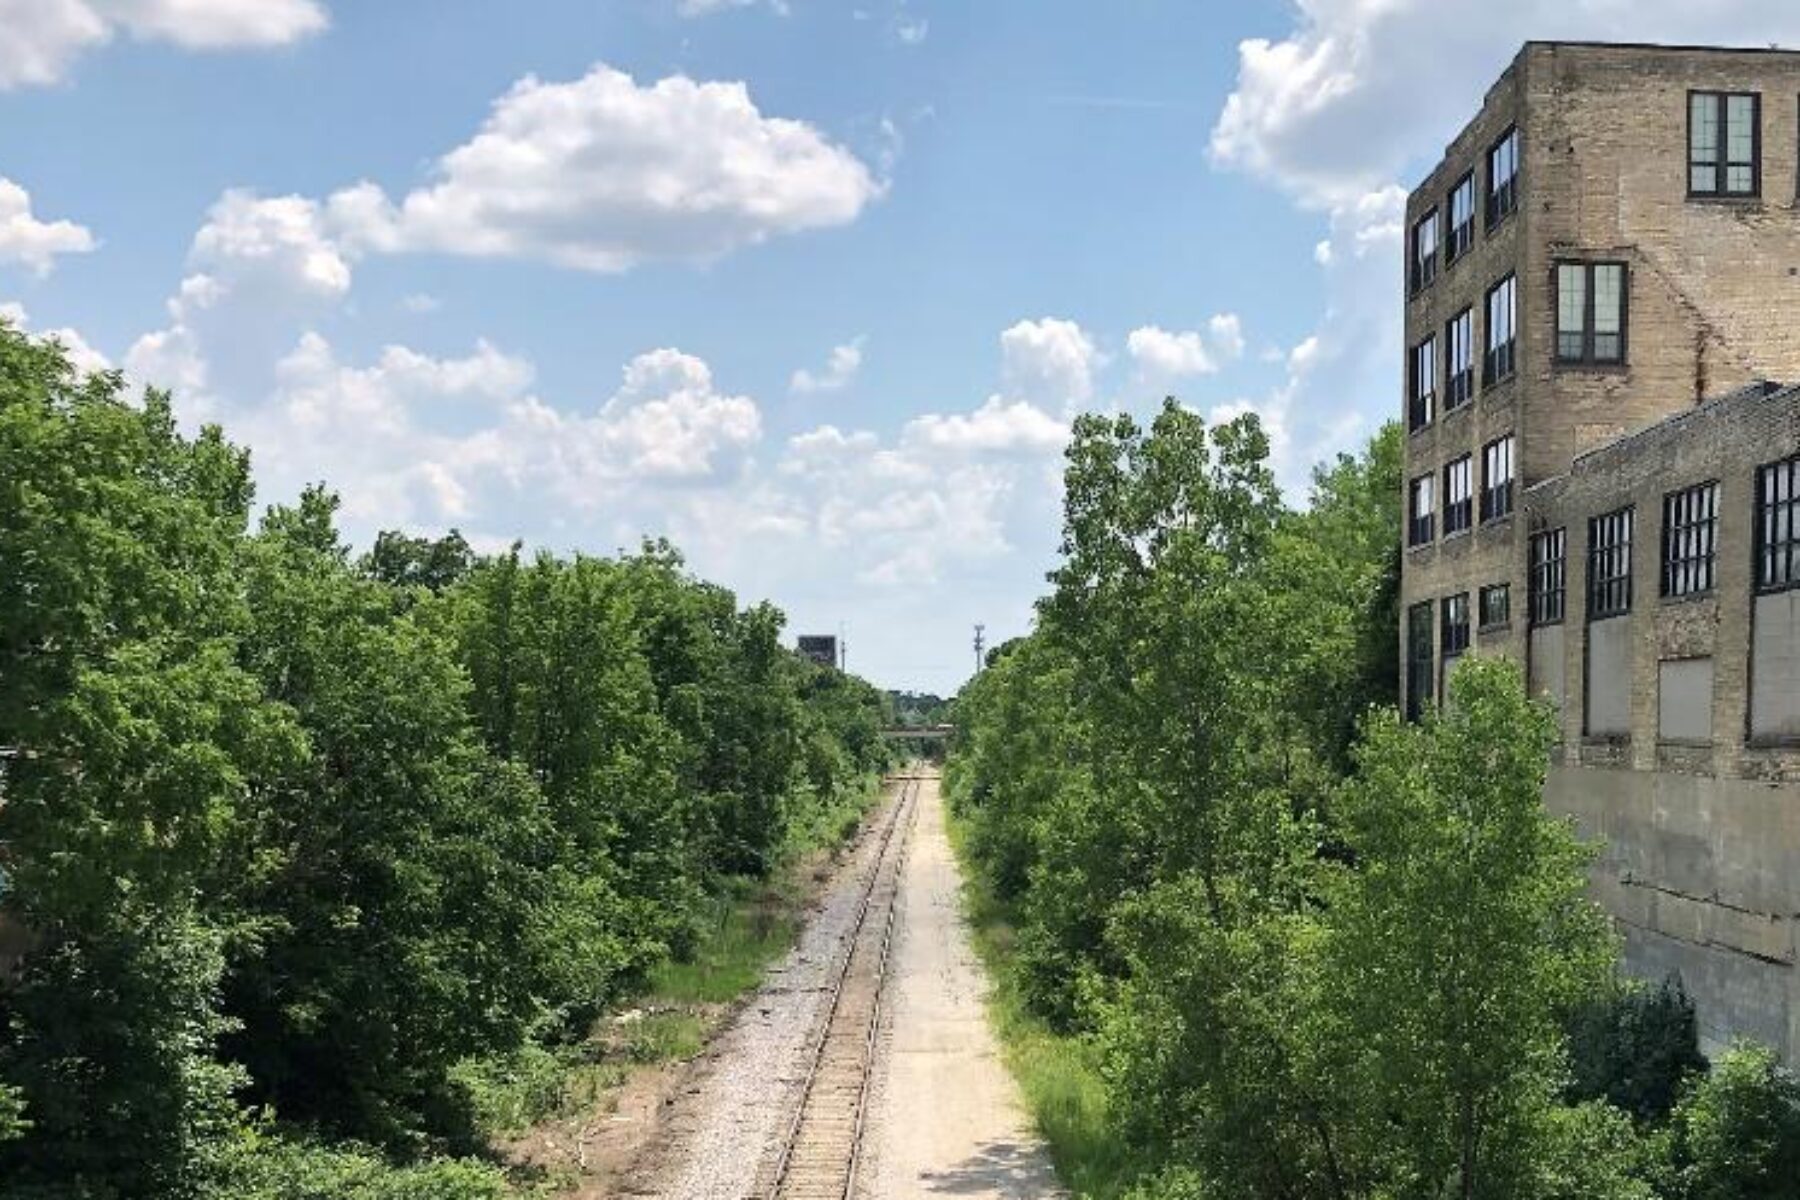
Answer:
(1612, 240)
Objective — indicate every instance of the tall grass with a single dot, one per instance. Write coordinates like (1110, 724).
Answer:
(1058, 1074)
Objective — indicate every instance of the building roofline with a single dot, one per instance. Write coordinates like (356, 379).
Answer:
(1751, 393)
(1525, 48)
(1669, 47)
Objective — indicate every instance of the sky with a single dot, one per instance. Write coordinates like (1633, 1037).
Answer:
(811, 288)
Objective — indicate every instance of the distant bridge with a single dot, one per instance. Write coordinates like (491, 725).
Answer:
(919, 733)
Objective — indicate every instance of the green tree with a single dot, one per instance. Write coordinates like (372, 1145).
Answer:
(1737, 1132)
(1460, 938)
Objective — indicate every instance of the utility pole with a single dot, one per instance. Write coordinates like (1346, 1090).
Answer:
(843, 650)
(980, 645)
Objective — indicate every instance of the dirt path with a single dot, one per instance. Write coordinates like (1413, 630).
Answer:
(946, 1118)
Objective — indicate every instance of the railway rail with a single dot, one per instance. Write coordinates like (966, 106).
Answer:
(819, 1158)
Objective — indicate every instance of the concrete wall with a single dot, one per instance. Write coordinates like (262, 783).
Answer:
(1702, 876)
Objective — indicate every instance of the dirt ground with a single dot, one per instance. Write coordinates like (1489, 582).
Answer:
(946, 1118)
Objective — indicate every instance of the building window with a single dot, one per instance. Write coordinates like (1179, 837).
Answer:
(1609, 565)
(1502, 318)
(1503, 178)
(1549, 576)
(1424, 251)
(1424, 383)
(1778, 525)
(1724, 144)
(1462, 218)
(1455, 633)
(1458, 496)
(1459, 345)
(1418, 659)
(1497, 478)
(1690, 540)
(1496, 605)
(1590, 312)
(1422, 508)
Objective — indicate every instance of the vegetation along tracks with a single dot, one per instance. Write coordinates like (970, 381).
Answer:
(818, 1159)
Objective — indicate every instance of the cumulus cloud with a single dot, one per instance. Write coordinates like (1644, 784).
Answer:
(1049, 361)
(603, 173)
(1163, 356)
(32, 243)
(840, 368)
(996, 427)
(41, 39)
(81, 355)
(280, 238)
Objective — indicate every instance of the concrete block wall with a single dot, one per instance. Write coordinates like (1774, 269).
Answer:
(1700, 835)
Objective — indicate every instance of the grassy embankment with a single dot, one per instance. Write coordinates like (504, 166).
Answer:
(1058, 1074)
(751, 923)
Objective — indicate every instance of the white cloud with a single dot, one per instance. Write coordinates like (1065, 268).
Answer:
(840, 368)
(1163, 356)
(997, 427)
(603, 173)
(33, 243)
(281, 238)
(218, 24)
(1049, 361)
(705, 8)
(669, 422)
(420, 303)
(81, 355)
(171, 359)
(41, 39)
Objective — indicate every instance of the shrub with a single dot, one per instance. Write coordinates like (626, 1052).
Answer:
(1635, 1047)
(1737, 1131)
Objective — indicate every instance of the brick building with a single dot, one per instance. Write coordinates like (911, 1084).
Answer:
(1612, 241)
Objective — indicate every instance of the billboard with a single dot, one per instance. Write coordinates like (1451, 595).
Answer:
(821, 648)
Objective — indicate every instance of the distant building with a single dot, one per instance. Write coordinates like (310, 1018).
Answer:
(1610, 242)
(821, 648)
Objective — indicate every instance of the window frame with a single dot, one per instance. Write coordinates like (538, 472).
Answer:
(1609, 592)
(1422, 270)
(1721, 163)
(1460, 239)
(1502, 590)
(1589, 356)
(1421, 669)
(1783, 472)
(1459, 515)
(1461, 633)
(1415, 522)
(1500, 363)
(1548, 591)
(1456, 396)
(1421, 398)
(1503, 201)
(1497, 502)
(1690, 541)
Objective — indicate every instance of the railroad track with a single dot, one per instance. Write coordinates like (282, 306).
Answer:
(818, 1161)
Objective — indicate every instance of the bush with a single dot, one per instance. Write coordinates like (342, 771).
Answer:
(273, 1169)
(1737, 1132)
(1635, 1048)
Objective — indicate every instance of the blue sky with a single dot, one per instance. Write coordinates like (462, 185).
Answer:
(812, 288)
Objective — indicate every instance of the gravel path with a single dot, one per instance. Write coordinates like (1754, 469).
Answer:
(946, 1118)
(722, 1132)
